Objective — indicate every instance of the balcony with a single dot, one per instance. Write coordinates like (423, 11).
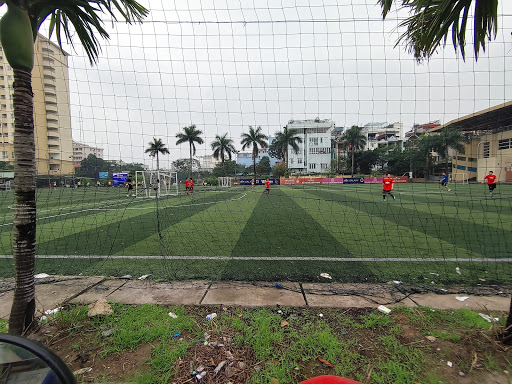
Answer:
(53, 146)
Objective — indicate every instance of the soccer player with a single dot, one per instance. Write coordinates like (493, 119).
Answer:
(444, 182)
(191, 185)
(187, 186)
(387, 187)
(267, 187)
(491, 181)
(130, 188)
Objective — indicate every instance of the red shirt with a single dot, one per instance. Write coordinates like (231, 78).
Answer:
(491, 179)
(191, 184)
(186, 183)
(387, 184)
(267, 184)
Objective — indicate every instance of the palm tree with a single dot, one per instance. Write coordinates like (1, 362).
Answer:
(287, 138)
(191, 136)
(221, 147)
(155, 147)
(18, 29)
(433, 20)
(449, 138)
(254, 138)
(353, 140)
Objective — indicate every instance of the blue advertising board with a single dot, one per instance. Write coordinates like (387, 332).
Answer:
(258, 181)
(353, 180)
(102, 175)
(119, 178)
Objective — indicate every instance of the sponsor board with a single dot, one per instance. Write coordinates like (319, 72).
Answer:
(332, 180)
(401, 179)
(258, 181)
(119, 178)
(285, 181)
(102, 175)
(373, 180)
(311, 180)
(353, 180)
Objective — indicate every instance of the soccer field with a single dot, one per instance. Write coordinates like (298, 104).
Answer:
(296, 233)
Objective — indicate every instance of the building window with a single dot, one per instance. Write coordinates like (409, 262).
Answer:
(299, 160)
(472, 159)
(312, 166)
(323, 166)
(461, 167)
(471, 169)
(5, 154)
(487, 147)
(313, 141)
(504, 144)
(291, 161)
(461, 158)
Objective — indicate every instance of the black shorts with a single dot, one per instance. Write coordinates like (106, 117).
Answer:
(130, 187)
(443, 183)
(491, 187)
(385, 191)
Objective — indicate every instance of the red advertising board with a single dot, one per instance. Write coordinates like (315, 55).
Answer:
(401, 179)
(311, 180)
(285, 181)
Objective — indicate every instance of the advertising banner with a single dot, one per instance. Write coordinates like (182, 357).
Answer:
(102, 175)
(285, 181)
(310, 180)
(401, 179)
(332, 180)
(119, 178)
(353, 180)
(373, 180)
(258, 181)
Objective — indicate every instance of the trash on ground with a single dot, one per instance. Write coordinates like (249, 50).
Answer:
(144, 277)
(397, 282)
(41, 276)
(457, 269)
(481, 279)
(211, 316)
(488, 318)
(240, 314)
(430, 338)
(462, 374)
(219, 367)
(284, 323)
(384, 309)
(325, 362)
(173, 315)
(278, 286)
(126, 277)
(176, 335)
(101, 307)
(449, 363)
(82, 371)
(325, 276)
(462, 298)
(280, 312)
(43, 319)
(320, 315)
(435, 274)
(201, 375)
(52, 311)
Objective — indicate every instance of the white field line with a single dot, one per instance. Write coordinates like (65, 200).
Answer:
(266, 258)
(110, 208)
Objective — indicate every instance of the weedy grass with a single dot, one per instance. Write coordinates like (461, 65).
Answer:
(3, 326)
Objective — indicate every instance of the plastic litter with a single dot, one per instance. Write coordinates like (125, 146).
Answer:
(384, 309)
(211, 316)
(176, 335)
(435, 274)
(488, 318)
(82, 371)
(278, 286)
(449, 363)
(457, 269)
(397, 282)
(144, 277)
(280, 312)
(126, 277)
(325, 276)
(52, 311)
(462, 298)
(42, 319)
(320, 315)
(218, 368)
(200, 375)
(41, 276)
(173, 315)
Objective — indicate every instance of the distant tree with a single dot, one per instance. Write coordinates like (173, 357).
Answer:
(228, 168)
(190, 135)
(6, 166)
(255, 139)
(366, 160)
(287, 138)
(280, 170)
(155, 147)
(91, 165)
(275, 151)
(353, 140)
(182, 166)
(263, 167)
(448, 138)
(222, 146)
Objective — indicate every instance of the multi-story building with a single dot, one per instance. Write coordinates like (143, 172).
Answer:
(245, 157)
(314, 154)
(52, 117)
(208, 162)
(82, 151)
(383, 134)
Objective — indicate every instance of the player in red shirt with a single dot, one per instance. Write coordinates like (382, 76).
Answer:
(491, 181)
(267, 187)
(187, 186)
(387, 187)
(191, 185)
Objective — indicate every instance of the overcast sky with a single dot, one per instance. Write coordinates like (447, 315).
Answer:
(225, 65)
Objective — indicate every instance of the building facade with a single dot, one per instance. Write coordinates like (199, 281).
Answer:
(244, 158)
(82, 151)
(52, 117)
(314, 154)
(383, 134)
(208, 162)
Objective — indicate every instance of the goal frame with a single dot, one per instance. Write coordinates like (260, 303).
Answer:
(225, 182)
(465, 178)
(146, 184)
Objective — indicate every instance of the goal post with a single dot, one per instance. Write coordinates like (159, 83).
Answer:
(225, 182)
(153, 184)
(459, 178)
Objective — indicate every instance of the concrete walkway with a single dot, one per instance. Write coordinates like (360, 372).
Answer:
(54, 291)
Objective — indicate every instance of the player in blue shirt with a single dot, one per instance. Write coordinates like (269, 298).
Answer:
(444, 182)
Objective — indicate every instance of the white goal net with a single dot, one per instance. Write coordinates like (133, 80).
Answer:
(459, 178)
(156, 183)
(225, 182)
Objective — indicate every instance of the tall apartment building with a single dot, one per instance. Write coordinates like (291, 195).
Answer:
(314, 154)
(52, 117)
(383, 134)
(82, 151)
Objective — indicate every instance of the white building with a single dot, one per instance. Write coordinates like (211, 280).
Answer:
(383, 134)
(314, 154)
(82, 151)
(208, 162)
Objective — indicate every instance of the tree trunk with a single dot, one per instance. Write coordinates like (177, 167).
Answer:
(190, 152)
(352, 163)
(254, 162)
(446, 161)
(24, 224)
(157, 175)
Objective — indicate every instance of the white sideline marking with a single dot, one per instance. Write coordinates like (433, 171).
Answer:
(266, 258)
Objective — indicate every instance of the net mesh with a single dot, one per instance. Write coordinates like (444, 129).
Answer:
(320, 68)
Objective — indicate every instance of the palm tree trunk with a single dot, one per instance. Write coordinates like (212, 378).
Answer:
(24, 225)
(446, 161)
(254, 163)
(157, 175)
(190, 152)
(286, 156)
(352, 163)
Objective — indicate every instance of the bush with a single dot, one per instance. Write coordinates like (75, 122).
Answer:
(212, 181)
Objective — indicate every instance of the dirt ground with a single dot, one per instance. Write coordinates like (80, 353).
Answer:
(79, 348)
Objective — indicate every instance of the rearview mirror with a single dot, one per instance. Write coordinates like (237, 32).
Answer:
(26, 361)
